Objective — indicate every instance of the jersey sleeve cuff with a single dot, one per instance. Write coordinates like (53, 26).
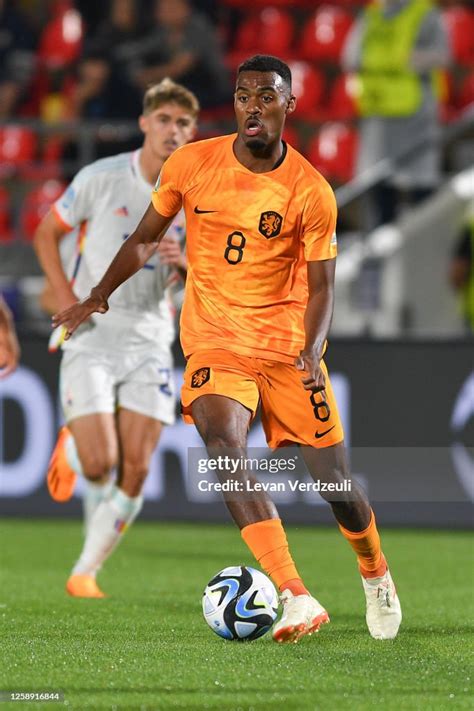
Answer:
(157, 203)
(62, 222)
(318, 255)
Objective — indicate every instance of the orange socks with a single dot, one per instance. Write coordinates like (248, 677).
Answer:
(366, 545)
(268, 543)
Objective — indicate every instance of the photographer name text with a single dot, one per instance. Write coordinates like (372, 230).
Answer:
(247, 486)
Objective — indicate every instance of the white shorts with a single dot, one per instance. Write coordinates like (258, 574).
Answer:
(92, 382)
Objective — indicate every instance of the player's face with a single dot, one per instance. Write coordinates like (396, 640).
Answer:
(262, 101)
(167, 128)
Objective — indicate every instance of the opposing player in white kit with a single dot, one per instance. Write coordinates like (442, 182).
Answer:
(116, 373)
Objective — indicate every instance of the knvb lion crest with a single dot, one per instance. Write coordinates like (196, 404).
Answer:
(270, 224)
(199, 377)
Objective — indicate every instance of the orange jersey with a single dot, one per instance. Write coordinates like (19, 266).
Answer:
(249, 236)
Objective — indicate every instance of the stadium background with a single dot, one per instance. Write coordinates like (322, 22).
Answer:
(401, 362)
(396, 313)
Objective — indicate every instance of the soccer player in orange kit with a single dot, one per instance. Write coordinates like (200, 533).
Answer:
(261, 249)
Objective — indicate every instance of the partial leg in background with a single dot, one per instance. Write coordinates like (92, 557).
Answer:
(138, 436)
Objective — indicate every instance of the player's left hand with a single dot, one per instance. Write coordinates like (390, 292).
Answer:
(9, 351)
(315, 379)
(170, 253)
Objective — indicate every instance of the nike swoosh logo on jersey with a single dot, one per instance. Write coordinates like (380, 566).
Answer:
(318, 435)
(202, 212)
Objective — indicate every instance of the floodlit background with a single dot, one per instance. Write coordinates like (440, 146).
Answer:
(400, 357)
(71, 78)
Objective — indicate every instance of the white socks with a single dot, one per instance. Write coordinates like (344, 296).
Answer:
(72, 455)
(109, 521)
(94, 493)
(108, 511)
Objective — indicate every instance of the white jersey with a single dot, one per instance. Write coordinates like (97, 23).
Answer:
(105, 202)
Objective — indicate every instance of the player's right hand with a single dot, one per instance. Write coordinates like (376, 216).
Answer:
(76, 314)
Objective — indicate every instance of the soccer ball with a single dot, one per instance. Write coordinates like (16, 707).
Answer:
(240, 603)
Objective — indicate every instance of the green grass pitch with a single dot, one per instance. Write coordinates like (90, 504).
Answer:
(148, 647)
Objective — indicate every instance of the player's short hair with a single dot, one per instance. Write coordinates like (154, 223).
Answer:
(169, 92)
(266, 63)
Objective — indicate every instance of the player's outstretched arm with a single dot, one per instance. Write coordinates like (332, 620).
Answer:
(9, 347)
(317, 321)
(131, 257)
(46, 244)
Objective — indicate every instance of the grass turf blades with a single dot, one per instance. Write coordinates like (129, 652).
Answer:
(147, 646)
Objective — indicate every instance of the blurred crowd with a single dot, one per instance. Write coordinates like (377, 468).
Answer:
(63, 60)
(73, 59)
(67, 65)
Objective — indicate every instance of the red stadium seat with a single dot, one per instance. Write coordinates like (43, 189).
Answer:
(448, 109)
(308, 87)
(51, 156)
(61, 40)
(17, 148)
(466, 92)
(459, 23)
(37, 204)
(350, 4)
(341, 99)
(333, 151)
(269, 31)
(275, 32)
(6, 232)
(246, 34)
(325, 33)
(53, 150)
(459, 95)
(291, 136)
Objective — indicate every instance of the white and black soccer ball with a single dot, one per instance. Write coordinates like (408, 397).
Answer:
(240, 603)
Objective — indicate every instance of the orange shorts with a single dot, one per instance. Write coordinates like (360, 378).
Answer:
(290, 414)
